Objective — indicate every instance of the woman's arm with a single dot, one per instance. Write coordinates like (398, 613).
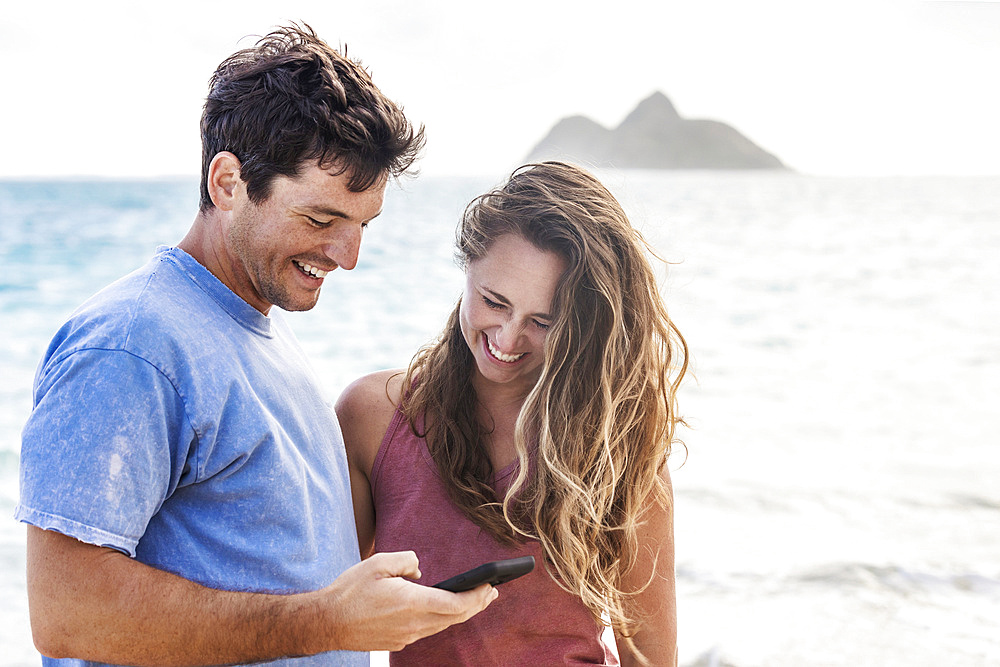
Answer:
(365, 410)
(656, 636)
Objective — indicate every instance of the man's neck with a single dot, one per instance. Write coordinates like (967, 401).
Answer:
(205, 242)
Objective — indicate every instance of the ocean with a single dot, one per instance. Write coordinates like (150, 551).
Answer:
(838, 503)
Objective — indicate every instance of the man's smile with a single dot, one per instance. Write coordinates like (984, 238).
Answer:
(310, 270)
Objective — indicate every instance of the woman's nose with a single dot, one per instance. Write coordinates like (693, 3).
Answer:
(509, 335)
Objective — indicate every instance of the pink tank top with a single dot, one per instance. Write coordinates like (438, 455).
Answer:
(532, 622)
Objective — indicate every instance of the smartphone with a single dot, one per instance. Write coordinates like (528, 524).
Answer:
(494, 573)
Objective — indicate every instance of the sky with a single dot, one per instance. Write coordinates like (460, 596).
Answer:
(877, 87)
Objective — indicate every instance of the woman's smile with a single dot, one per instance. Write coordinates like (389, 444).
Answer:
(509, 359)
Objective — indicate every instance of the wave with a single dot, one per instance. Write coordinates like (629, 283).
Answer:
(899, 580)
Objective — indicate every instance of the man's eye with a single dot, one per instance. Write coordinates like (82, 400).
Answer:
(317, 223)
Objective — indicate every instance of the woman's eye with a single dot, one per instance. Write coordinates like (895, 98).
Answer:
(492, 304)
(541, 325)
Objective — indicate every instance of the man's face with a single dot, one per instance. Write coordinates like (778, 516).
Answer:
(280, 250)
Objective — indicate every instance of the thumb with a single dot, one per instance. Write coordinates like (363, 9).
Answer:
(396, 564)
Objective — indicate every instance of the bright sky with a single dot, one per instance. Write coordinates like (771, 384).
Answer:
(842, 87)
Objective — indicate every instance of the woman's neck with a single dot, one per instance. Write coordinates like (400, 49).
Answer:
(499, 406)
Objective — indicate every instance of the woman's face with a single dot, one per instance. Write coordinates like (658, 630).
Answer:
(507, 308)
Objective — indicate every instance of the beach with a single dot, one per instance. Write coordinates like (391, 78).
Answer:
(838, 502)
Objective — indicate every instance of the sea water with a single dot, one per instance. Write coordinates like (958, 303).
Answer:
(839, 499)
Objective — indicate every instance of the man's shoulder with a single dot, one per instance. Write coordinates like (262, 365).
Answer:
(145, 309)
(159, 289)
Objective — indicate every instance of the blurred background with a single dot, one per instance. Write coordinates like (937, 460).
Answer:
(870, 87)
(839, 503)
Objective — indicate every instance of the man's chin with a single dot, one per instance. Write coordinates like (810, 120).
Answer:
(297, 305)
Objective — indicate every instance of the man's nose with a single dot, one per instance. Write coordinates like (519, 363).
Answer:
(345, 246)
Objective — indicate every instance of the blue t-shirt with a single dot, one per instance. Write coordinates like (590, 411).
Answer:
(176, 423)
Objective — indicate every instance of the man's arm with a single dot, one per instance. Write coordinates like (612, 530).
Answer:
(98, 604)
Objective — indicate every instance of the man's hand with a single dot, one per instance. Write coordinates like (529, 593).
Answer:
(376, 609)
(98, 604)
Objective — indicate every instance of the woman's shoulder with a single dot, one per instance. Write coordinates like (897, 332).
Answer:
(371, 394)
(366, 408)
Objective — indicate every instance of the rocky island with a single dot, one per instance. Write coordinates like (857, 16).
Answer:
(653, 136)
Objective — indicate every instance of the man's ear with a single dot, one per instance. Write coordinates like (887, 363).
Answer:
(224, 180)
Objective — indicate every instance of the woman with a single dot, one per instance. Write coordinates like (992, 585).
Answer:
(539, 423)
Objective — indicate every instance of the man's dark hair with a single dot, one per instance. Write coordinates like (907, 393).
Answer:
(292, 99)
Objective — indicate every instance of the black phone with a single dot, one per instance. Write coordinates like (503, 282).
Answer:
(494, 573)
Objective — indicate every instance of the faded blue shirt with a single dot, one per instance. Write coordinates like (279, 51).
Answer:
(174, 422)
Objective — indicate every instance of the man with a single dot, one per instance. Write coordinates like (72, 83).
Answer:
(184, 479)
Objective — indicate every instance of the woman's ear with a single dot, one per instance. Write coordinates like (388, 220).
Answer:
(224, 180)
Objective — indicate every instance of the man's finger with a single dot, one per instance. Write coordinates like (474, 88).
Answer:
(466, 604)
(397, 564)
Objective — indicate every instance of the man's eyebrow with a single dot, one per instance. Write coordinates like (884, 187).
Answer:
(333, 213)
(500, 298)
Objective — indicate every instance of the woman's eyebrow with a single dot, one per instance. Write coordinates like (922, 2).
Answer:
(500, 298)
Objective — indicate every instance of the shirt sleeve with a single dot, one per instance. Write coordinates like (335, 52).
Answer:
(105, 445)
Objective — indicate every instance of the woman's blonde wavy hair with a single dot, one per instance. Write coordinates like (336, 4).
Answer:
(597, 428)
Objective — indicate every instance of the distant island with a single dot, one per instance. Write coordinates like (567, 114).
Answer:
(653, 136)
